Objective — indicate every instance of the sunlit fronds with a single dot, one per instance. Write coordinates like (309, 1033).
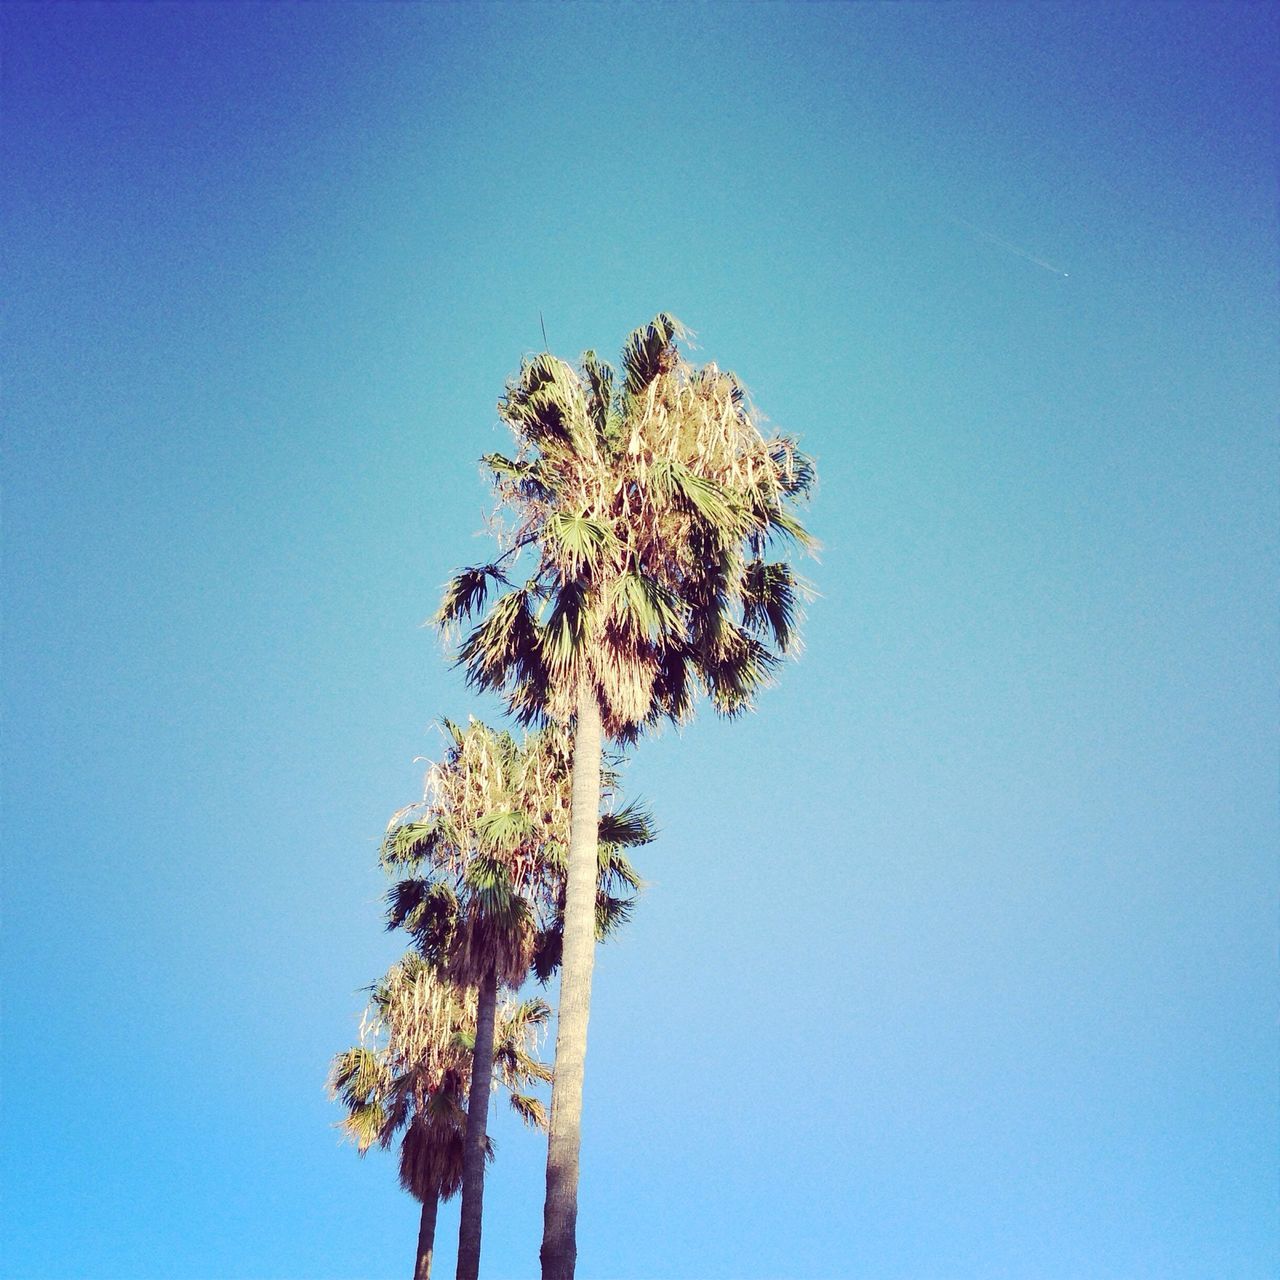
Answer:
(580, 543)
(650, 350)
(628, 827)
(365, 1125)
(795, 470)
(502, 644)
(410, 844)
(504, 829)
(566, 631)
(466, 592)
(770, 603)
(645, 606)
(546, 403)
(698, 495)
(356, 1076)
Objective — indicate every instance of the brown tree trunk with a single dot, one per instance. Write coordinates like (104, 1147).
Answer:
(426, 1238)
(560, 1211)
(474, 1144)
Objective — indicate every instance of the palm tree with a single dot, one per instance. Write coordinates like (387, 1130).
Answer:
(409, 1076)
(491, 831)
(637, 573)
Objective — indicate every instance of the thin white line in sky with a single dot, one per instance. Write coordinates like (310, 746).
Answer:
(1012, 248)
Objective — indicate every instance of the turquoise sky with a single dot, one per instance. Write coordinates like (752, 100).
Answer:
(958, 960)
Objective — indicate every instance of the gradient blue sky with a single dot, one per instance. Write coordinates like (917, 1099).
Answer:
(959, 958)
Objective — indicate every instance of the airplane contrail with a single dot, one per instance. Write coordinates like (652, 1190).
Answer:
(1012, 248)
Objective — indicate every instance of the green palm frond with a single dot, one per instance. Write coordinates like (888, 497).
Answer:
(546, 403)
(673, 683)
(741, 667)
(504, 830)
(356, 1076)
(412, 843)
(523, 475)
(517, 1020)
(365, 1125)
(628, 827)
(770, 603)
(795, 470)
(567, 629)
(617, 871)
(694, 494)
(581, 542)
(428, 911)
(488, 883)
(612, 913)
(785, 523)
(645, 606)
(599, 379)
(649, 350)
(466, 592)
(503, 644)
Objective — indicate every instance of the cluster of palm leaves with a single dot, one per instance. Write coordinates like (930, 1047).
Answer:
(645, 523)
(409, 1075)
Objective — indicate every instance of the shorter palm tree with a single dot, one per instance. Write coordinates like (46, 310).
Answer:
(491, 834)
(409, 1076)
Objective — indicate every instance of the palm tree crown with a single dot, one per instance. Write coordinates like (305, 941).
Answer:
(491, 834)
(409, 1073)
(648, 505)
(486, 849)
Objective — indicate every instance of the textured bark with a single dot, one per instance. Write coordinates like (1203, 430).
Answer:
(560, 1211)
(473, 1152)
(426, 1239)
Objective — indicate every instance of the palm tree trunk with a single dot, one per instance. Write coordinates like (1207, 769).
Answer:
(426, 1238)
(560, 1211)
(473, 1151)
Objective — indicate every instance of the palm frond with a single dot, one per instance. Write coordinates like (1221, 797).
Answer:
(356, 1076)
(628, 827)
(581, 542)
(365, 1125)
(612, 913)
(503, 644)
(795, 470)
(599, 379)
(466, 592)
(785, 523)
(566, 631)
(530, 1109)
(504, 830)
(545, 404)
(770, 603)
(694, 494)
(649, 350)
(645, 606)
(548, 949)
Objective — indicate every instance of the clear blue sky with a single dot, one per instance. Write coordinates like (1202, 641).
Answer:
(959, 959)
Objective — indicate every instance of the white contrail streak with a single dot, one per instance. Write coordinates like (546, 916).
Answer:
(1012, 248)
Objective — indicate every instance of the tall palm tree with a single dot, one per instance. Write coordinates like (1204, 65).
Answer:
(491, 833)
(642, 512)
(409, 1076)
